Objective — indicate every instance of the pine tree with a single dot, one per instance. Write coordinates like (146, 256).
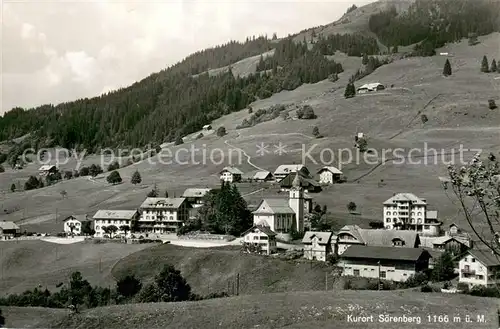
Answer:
(350, 91)
(493, 66)
(484, 65)
(136, 178)
(447, 68)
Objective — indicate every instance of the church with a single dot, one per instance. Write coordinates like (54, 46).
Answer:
(282, 216)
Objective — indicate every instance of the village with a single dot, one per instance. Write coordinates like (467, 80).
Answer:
(409, 238)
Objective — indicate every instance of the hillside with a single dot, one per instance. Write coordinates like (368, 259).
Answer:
(210, 270)
(281, 310)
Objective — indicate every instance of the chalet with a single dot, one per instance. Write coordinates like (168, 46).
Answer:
(73, 224)
(307, 183)
(369, 87)
(260, 239)
(46, 170)
(317, 245)
(207, 127)
(284, 170)
(329, 175)
(123, 220)
(386, 263)
(195, 196)
(456, 245)
(479, 268)
(231, 174)
(8, 230)
(163, 215)
(258, 176)
(351, 235)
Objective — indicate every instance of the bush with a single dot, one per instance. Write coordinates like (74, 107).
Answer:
(114, 178)
(68, 174)
(221, 131)
(424, 118)
(84, 171)
(179, 141)
(128, 286)
(200, 135)
(113, 166)
(2, 169)
(250, 110)
(426, 288)
(464, 287)
(416, 280)
(491, 104)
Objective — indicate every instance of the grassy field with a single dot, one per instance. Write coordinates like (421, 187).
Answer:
(278, 310)
(210, 270)
(28, 264)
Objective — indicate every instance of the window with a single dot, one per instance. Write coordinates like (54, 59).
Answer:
(356, 272)
(388, 220)
(466, 259)
(473, 260)
(479, 277)
(383, 274)
(97, 227)
(388, 213)
(171, 217)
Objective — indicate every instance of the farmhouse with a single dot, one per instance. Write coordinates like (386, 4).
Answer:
(121, 219)
(258, 176)
(163, 215)
(370, 87)
(405, 211)
(309, 184)
(231, 174)
(195, 196)
(479, 268)
(317, 245)
(387, 263)
(329, 175)
(260, 239)
(46, 170)
(351, 235)
(8, 230)
(73, 224)
(281, 215)
(284, 170)
(456, 245)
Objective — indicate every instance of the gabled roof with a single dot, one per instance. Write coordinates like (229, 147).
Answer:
(323, 237)
(286, 169)
(195, 192)
(380, 237)
(441, 240)
(304, 181)
(264, 229)
(80, 218)
(115, 214)
(46, 167)
(331, 169)
(274, 206)
(232, 170)
(352, 230)
(162, 203)
(263, 174)
(373, 85)
(8, 226)
(486, 257)
(405, 197)
(384, 253)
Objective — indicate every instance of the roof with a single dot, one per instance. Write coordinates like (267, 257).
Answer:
(387, 253)
(263, 174)
(115, 214)
(304, 181)
(264, 229)
(8, 226)
(80, 218)
(371, 85)
(405, 197)
(46, 167)
(275, 206)
(430, 242)
(286, 169)
(206, 126)
(352, 230)
(162, 202)
(331, 169)
(232, 170)
(486, 257)
(195, 192)
(374, 237)
(323, 237)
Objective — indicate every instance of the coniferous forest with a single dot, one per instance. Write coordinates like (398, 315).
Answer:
(174, 103)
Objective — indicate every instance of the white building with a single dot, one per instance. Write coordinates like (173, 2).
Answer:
(46, 170)
(405, 211)
(280, 215)
(118, 218)
(329, 175)
(284, 170)
(317, 245)
(479, 268)
(260, 236)
(73, 224)
(163, 215)
(8, 230)
(369, 87)
(195, 195)
(231, 174)
(386, 263)
(207, 127)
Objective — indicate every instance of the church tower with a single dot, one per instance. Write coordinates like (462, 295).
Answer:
(296, 202)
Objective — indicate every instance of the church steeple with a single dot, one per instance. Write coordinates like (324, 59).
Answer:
(296, 202)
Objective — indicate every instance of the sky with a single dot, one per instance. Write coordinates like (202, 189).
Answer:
(57, 51)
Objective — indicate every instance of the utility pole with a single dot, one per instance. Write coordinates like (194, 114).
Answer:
(326, 281)
(238, 284)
